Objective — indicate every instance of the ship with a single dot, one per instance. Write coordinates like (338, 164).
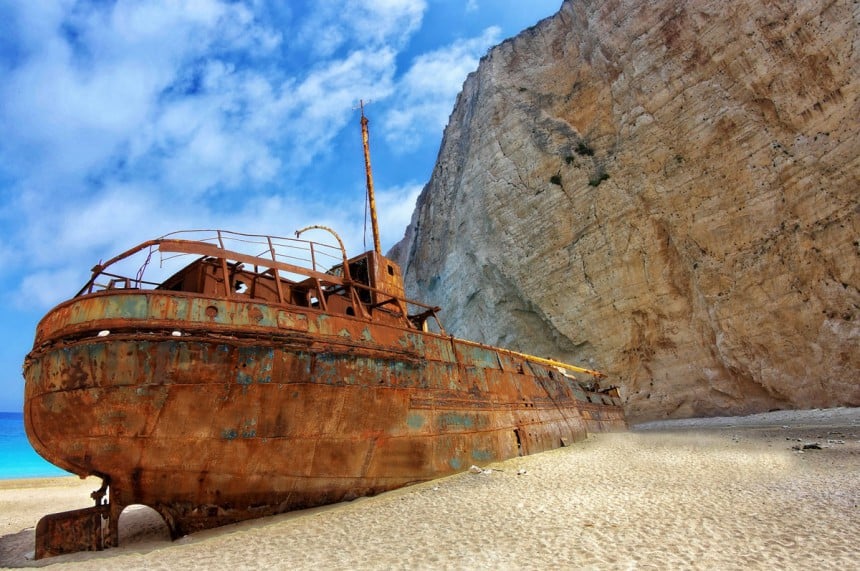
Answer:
(268, 374)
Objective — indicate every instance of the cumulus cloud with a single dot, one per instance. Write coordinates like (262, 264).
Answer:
(94, 73)
(427, 90)
(323, 102)
(119, 118)
(373, 23)
(125, 120)
(91, 82)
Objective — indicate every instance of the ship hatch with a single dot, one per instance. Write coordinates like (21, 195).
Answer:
(519, 442)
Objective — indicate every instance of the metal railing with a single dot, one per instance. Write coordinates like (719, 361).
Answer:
(290, 262)
(292, 258)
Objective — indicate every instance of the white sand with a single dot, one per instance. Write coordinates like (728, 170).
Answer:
(707, 494)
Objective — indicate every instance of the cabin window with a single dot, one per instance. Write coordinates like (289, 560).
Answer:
(390, 270)
(358, 271)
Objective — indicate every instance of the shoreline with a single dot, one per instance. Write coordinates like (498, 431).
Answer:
(807, 417)
(36, 482)
(729, 493)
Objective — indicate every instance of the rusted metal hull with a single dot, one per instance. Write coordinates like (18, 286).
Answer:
(213, 411)
(86, 529)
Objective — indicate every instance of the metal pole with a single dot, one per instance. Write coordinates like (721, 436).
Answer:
(370, 197)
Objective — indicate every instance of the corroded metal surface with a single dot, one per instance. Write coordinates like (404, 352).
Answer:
(229, 391)
(86, 529)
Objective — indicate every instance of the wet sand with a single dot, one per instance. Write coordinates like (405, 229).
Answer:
(774, 491)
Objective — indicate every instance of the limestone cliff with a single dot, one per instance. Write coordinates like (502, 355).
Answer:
(667, 191)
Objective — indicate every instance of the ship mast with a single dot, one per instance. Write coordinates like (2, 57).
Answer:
(365, 140)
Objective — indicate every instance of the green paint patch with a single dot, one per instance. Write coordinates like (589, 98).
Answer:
(482, 455)
(482, 358)
(229, 434)
(181, 306)
(415, 421)
(456, 419)
(455, 463)
(125, 306)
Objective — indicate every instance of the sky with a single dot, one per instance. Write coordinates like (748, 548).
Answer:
(124, 120)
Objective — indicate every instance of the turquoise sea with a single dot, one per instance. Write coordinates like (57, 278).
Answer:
(17, 457)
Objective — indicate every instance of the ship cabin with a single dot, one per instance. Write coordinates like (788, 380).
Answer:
(368, 286)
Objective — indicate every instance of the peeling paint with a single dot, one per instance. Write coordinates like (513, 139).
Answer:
(455, 419)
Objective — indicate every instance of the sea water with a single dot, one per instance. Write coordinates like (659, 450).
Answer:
(17, 457)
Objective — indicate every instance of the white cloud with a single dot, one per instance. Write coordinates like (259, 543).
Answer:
(161, 93)
(323, 103)
(427, 91)
(107, 222)
(46, 288)
(394, 209)
(109, 219)
(125, 120)
(373, 23)
(97, 74)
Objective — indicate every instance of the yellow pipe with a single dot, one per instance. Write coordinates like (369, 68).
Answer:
(553, 363)
(541, 360)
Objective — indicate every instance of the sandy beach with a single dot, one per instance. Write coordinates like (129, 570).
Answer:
(772, 491)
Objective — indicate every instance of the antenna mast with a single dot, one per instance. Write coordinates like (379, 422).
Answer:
(365, 140)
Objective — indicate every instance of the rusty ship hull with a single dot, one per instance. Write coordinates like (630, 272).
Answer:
(213, 411)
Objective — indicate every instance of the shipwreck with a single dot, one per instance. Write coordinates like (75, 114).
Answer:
(270, 374)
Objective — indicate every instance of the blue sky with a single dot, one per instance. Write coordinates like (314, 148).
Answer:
(125, 120)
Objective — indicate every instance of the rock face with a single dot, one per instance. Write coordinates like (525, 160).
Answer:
(666, 191)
